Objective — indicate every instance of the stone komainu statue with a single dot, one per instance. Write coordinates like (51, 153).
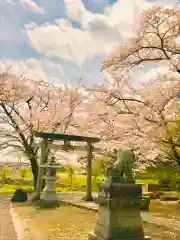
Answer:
(121, 171)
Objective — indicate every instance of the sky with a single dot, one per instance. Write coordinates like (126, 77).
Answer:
(61, 41)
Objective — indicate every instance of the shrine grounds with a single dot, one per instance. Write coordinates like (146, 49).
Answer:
(70, 222)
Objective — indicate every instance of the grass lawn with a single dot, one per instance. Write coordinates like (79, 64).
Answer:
(77, 178)
(63, 177)
(68, 222)
(78, 184)
(81, 179)
(9, 188)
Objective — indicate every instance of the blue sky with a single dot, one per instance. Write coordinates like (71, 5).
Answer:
(64, 40)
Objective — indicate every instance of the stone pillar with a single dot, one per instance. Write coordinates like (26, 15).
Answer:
(44, 148)
(119, 215)
(88, 196)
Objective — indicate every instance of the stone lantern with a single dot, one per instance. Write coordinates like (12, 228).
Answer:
(49, 197)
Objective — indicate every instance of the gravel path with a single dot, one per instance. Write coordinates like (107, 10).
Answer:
(75, 199)
(7, 231)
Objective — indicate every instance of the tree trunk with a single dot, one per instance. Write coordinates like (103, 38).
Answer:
(34, 168)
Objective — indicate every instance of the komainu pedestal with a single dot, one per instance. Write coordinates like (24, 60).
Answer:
(119, 215)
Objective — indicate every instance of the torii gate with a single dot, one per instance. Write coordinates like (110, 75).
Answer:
(66, 138)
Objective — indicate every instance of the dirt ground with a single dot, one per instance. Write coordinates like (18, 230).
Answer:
(69, 222)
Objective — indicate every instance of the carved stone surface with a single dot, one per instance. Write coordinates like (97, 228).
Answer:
(119, 215)
(49, 198)
(121, 171)
(120, 190)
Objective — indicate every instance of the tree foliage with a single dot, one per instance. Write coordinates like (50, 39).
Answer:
(141, 115)
(27, 106)
(157, 40)
(120, 111)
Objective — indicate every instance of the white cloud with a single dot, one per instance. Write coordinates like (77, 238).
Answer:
(100, 34)
(77, 11)
(42, 69)
(30, 5)
(75, 49)
(63, 41)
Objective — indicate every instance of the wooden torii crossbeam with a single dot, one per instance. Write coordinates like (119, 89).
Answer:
(66, 138)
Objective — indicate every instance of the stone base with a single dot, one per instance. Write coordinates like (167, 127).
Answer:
(49, 199)
(93, 236)
(119, 216)
(48, 204)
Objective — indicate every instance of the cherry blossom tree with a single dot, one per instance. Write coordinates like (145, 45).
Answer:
(141, 116)
(157, 41)
(27, 106)
(138, 117)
